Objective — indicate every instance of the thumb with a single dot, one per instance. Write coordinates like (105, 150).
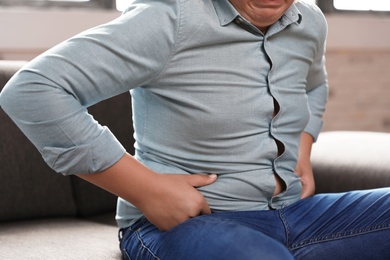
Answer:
(198, 180)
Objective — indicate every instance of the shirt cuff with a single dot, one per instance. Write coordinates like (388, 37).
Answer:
(314, 127)
(94, 157)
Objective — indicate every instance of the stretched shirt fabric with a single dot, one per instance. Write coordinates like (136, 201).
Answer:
(210, 94)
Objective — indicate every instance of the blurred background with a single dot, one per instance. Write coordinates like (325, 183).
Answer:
(358, 48)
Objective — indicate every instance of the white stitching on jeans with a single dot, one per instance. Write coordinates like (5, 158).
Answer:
(339, 235)
(144, 246)
(281, 215)
(127, 255)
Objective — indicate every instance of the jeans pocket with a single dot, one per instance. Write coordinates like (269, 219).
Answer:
(137, 240)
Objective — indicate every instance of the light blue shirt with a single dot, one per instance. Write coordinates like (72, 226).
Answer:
(204, 85)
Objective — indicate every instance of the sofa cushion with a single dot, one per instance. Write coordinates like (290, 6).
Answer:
(29, 188)
(91, 200)
(351, 160)
(7, 69)
(115, 113)
(61, 239)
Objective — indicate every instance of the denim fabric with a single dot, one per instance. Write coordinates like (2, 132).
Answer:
(353, 225)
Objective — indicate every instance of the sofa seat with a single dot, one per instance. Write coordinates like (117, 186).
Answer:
(351, 160)
(60, 239)
(44, 215)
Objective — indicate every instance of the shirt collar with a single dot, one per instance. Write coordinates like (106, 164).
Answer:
(293, 14)
(227, 13)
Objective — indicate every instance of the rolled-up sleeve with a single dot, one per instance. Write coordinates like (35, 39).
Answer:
(317, 83)
(48, 98)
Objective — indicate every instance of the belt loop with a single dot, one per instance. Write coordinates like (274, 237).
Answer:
(120, 234)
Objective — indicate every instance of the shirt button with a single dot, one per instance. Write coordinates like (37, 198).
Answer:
(239, 20)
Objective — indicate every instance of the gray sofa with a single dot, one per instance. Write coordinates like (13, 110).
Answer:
(44, 215)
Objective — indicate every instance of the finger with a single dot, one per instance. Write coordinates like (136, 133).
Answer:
(298, 172)
(304, 194)
(306, 191)
(198, 180)
(205, 209)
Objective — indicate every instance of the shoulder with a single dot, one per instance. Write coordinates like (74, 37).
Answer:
(311, 13)
(157, 7)
(308, 8)
(149, 18)
(313, 19)
(166, 13)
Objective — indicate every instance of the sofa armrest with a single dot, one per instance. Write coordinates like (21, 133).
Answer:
(351, 160)
(31, 189)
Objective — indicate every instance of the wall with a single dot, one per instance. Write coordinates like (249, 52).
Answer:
(358, 64)
(26, 33)
(359, 91)
(358, 58)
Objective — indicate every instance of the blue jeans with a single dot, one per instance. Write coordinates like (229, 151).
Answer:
(353, 225)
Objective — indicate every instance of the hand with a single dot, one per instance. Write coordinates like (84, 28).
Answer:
(305, 171)
(304, 168)
(173, 198)
(165, 199)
